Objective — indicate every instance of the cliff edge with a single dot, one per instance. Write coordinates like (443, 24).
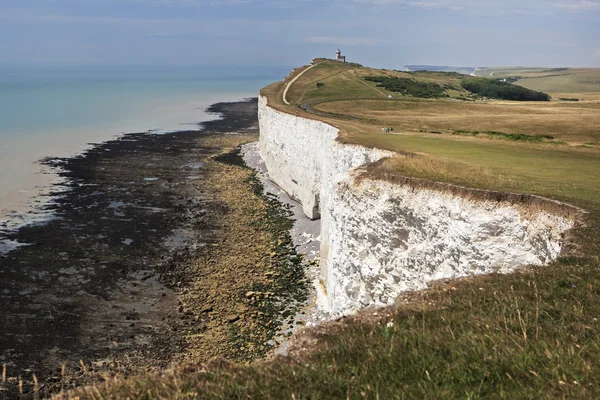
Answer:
(379, 238)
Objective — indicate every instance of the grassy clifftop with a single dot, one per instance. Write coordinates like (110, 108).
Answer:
(532, 334)
(554, 80)
(549, 148)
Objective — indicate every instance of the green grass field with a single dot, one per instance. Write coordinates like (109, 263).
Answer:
(554, 171)
(553, 80)
(531, 334)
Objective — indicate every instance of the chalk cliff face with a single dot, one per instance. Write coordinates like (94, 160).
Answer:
(303, 157)
(388, 238)
(379, 238)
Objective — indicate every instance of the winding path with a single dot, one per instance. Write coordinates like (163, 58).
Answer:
(294, 80)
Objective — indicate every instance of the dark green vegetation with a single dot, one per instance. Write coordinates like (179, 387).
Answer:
(495, 89)
(520, 137)
(482, 87)
(510, 79)
(556, 70)
(408, 87)
(277, 300)
(423, 72)
(568, 99)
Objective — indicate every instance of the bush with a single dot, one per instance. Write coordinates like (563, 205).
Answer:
(408, 86)
(520, 137)
(502, 90)
(556, 70)
(510, 79)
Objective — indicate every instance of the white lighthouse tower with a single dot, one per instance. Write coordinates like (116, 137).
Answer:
(339, 57)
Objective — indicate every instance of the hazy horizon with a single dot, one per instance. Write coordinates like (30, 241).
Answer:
(258, 67)
(379, 33)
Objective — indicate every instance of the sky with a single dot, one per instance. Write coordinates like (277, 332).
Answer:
(378, 33)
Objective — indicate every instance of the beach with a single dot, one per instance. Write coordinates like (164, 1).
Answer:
(162, 248)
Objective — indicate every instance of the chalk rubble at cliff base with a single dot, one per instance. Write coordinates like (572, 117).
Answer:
(381, 238)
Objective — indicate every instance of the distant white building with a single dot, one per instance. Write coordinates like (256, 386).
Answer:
(339, 57)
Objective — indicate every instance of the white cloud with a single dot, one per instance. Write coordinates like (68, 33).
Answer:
(503, 6)
(270, 3)
(78, 19)
(578, 5)
(344, 41)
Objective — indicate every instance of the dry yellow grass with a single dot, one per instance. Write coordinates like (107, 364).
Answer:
(345, 92)
(574, 80)
(435, 169)
(560, 80)
(567, 121)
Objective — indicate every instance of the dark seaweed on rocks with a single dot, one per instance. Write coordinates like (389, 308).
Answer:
(288, 290)
(86, 291)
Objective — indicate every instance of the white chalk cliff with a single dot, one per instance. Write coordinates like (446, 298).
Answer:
(380, 238)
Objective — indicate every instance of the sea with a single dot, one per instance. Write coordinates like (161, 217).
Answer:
(61, 111)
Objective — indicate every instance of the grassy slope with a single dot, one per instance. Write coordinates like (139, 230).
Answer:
(575, 123)
(532, 334)
(575, 80)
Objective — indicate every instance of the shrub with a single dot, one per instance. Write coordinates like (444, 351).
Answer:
(408, 86)
(520, 137)
(502, 90)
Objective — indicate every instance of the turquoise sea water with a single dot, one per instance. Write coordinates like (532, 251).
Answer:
(57, 111)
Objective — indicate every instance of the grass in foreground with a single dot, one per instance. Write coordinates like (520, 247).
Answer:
(528, 335)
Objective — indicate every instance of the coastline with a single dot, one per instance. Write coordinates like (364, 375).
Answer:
(141, 267)
(27, 182)
(306, 236)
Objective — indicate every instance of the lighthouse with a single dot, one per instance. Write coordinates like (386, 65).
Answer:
(339, 57)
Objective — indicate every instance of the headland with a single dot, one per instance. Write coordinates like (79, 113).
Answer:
(459, 240)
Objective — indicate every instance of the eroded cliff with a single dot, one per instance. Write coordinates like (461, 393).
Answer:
(379, 238)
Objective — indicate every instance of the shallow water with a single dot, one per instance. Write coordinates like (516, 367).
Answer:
(57, 112)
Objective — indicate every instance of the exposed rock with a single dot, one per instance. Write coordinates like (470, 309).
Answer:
(232, 318)
(390, 238)
(380, 238)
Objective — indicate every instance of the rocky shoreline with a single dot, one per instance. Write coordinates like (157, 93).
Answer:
(163, 249)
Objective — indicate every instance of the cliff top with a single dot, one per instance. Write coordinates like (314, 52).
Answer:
(453, 135)
(532, 334)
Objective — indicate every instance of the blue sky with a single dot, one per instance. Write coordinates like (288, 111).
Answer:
(381, 33)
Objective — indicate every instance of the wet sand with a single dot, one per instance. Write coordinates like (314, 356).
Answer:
(103, 282)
